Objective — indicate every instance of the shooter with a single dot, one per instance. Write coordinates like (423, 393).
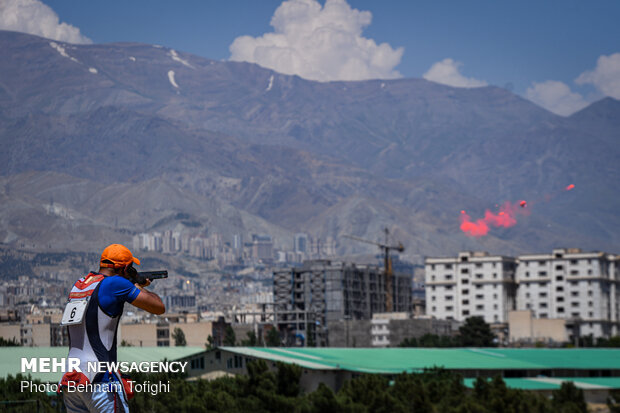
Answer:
(92, 315)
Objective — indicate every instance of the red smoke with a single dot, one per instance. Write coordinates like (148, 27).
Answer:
(504, 218)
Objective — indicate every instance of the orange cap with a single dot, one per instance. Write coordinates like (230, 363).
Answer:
(119, 256)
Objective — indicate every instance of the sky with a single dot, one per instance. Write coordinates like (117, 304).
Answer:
(561, 55)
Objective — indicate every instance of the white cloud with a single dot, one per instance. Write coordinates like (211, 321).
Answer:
(556, 97)
(34, 17)
(447, 72)
(320, 43)
(605, 76)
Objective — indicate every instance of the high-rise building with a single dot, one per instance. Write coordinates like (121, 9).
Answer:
(301, 243)
(581, 287)
(472, 284)
(326, 291)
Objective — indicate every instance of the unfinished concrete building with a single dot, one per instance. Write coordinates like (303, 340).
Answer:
(330, 291)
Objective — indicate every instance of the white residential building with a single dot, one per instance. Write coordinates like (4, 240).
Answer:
(581, 287)
(472, 284)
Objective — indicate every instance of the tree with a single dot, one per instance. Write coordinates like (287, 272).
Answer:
(251, 341)
(568, 398)
(210, 344)
(229, 337)
(9, 343)
(476, 333)
(179, 337)
(273, 337)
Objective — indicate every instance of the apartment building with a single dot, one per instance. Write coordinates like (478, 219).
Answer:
(472, 284)
(323, 291)
(580, 287)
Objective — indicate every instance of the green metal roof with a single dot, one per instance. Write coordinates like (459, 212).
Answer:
(10, 357)
(396, 360)
(553, 383)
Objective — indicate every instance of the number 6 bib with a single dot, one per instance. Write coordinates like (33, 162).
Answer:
(74, 312)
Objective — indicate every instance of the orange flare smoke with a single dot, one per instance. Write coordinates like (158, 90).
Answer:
(504, 218)
(571, 186)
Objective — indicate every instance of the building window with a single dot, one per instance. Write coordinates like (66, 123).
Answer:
(448, 266)
(465, 302)
(575, 304)
(542, 273)
(433, 308)
(465, 292)
(527, 274)
(480, 307)
(543, 315)
(560, 299)
(527, 295)
(542, 294)
(432, 298)
(559, 278)
(574, 294)
(464, 281)
(449, 308)
(559, 288)
(559, 267)
(479, 276)
(543, 305)
(478, 265)
(494, 275)
(464, 271)
(449, 298)
(465, 312)
(448, 277)
(560, 309)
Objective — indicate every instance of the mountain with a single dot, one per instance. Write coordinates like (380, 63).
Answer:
(181, 134)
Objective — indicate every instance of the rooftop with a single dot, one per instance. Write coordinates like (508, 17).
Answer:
(397, 360)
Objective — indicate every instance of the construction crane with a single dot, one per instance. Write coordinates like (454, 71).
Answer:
(387, 263)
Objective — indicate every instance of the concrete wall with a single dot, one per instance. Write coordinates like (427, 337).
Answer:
(139, 335)
(196, 334)
(524, 327)
(10, 331)
(349, 333)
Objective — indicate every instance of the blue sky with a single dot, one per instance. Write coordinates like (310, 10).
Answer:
(516, 44)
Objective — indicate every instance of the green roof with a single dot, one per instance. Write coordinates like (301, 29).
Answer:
(397, 360)
(553, 383)
(10, 357)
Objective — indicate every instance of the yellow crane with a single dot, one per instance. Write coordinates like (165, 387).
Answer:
(387, 263)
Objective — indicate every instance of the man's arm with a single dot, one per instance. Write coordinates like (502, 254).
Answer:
(148, 301)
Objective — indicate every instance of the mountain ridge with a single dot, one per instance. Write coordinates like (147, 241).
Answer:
(296, 153)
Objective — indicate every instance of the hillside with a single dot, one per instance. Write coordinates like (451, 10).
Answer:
(129, 135)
